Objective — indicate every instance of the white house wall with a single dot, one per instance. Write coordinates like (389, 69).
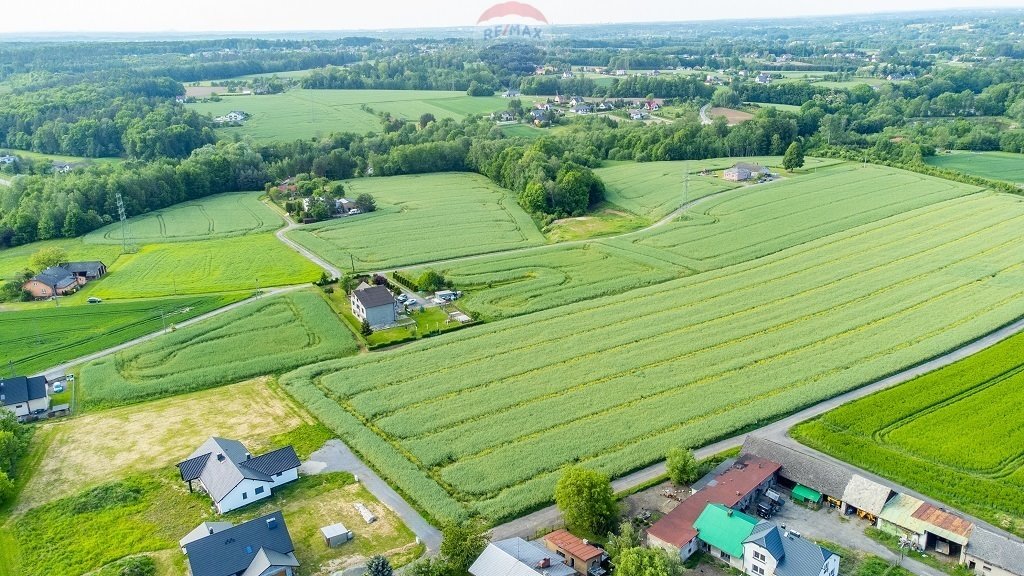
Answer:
(769, 564)
(286, 477)
(248, 487)
(831, 567)
(983, 568)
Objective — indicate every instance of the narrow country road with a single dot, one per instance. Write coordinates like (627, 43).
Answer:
(528, 525)
(335, 456)
(332, 271)
(704, 118)
(61, 369)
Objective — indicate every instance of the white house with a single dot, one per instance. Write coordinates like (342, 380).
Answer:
(769, 551)
(517, 557)
(23, 396)
(8, 159)
(259, 547)
(991, 554)
(233, 477)
(374, 304)
(763, 78)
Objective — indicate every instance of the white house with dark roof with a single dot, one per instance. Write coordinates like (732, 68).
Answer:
(770, 551)
(24, 395)
(259, 547)
(374, 304)
(233, 477)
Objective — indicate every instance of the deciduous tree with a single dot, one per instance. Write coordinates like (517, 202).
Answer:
(586, 500)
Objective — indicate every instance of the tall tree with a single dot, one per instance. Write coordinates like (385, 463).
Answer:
(586, 500)
(682, 466)
(461, 544)
(794, 157)
(647, 562)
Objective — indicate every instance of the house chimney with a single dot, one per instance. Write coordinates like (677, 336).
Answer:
(248, 456)
(586, 542)
(220, 457)
(271, 523)
(545, 562)
(210, 530)
(729, 512)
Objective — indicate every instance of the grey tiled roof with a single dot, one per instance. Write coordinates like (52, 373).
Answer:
(221, 464)
(795, 555)
(767, 536)
(234, 550)
(517, 557)
(21, 389)
(374, 296)
(996, 549)
(866, 494)
(193, 467)
(55, 277)
(91, 268)
(805, 469)
(273, 462)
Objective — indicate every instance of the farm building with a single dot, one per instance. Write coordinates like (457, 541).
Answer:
(736, 487)
(86, 271)
(722, 532)
(808, 477)
(8, 159)
(991, 554)
(575, 552)
(24, 395)
(335, 535)
(233, 477)
(517, 557)
(743, 171)
(50, 282)
(510, 94)
(770, 551)
(374, 304)
(925, 525)
(259, 547)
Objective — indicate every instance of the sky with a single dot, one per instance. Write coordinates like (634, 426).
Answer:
(298, 15)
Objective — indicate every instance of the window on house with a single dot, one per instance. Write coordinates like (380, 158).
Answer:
(259, 490)
(245, 495)
(279, 474)
(724, 556)
(757, 569)
(758, 556)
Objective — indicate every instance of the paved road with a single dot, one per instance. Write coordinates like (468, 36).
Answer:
(335, 456)
(327, 266)
(704, 118)
(528, 525)
(60, 370)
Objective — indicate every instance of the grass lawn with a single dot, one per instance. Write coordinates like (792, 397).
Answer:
(603, 220)
(218, 216)
(422, 218)
(1005, 166)
(135, 503)
(300, 113)
(263, 337)
(897, 433)
(817, 309)
(783, 107)
(215, 265)
(43, 336)
(59, 158)
(420, 324)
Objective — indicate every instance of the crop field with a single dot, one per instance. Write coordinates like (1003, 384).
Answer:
(766, 218)
(265, 337)
(202, 267)
(955, 434)
(500, 286)
(300, 113)
(219, 216)
(655, 189)
(39, 338)
(478, 420)
(422, 218)
(1005, 166)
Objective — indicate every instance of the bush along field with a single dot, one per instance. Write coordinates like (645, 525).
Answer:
(419, 219)
(38, 338)
(906, 434)
(477, 421)
(265, 337)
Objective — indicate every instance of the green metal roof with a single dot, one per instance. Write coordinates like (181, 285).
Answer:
(805, 493)
(724, 528)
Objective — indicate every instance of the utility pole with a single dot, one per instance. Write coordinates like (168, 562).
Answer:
(121, 213)
(352, 260)
(257, 287)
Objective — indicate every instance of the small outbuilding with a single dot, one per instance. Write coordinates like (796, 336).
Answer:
(335, 535)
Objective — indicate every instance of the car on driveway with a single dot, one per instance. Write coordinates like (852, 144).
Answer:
(402, 298)
(58, 388)
(410, 302)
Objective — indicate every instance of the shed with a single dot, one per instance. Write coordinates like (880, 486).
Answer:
(336, 534)
(802, 493)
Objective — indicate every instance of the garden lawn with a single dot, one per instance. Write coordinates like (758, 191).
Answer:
(218, 216)
(480, 420)
(421, 218)
(301, 113)
(904, 434)
(268, 336)
(1005, 166)
(217, 265)
(37, 338)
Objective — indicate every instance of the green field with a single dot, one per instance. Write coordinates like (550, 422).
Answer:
(39, 338)
(201, 267)
(782, 107)
(904, 434)
(419, 219)
(14, 260)
(268, 336)
(1005, 166)
(500, 286)
(218, 216)
(762, 219)
(483, 420)
(301, 113)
